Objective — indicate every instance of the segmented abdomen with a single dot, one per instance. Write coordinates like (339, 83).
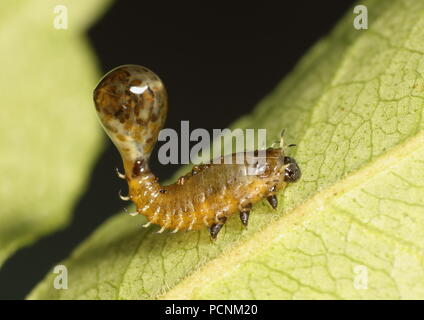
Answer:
(208, 194)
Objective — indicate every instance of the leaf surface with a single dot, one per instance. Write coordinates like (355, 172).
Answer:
(352, 227)
(49, 134)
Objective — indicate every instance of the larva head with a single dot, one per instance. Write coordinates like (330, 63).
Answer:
(292, 171)
(280, 169)
(131, 103)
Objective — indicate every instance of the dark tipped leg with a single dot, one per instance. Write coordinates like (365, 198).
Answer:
(216, 227)
(244, 214)
(244, 217)
(273, 201)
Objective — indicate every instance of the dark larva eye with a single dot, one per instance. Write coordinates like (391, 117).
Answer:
(292, 172)
(131, 103)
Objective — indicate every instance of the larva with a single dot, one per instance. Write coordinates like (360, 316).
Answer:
(131, 103)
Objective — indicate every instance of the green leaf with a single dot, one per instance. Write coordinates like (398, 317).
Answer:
(352, 227)
(49, 134)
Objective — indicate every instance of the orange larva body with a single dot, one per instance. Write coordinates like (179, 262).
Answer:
(131, 103)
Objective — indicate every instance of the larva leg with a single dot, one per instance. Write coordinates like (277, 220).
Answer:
(216, 227)
(120, 175)
(166, 224)
(147, 224)
(124, 198)
(244, 217)
(180, 223)
(273, 201)
(244, 214)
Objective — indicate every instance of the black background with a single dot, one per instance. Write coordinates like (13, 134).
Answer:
(216, 60)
